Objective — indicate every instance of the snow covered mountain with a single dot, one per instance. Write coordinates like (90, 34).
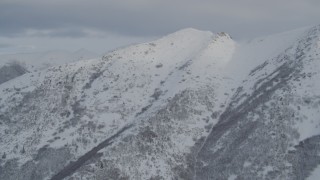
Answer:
(191, 105)
(14, 65)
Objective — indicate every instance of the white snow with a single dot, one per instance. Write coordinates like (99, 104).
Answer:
(315, 175)
(250, 54)
(232, 177)
(125, 81)
(247, 164)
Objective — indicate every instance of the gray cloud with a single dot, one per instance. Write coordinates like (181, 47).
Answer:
(5, 45)
(62, 32)
(81, 18)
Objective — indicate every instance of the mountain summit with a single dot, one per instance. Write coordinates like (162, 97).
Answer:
(191, 105)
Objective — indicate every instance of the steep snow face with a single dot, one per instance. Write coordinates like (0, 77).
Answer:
(191, 105)
(166, 91)
(270, 130)
(250, 54)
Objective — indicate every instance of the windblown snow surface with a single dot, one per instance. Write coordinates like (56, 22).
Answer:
(191, 105)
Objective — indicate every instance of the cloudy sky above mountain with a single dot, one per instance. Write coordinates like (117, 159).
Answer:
(101, 25)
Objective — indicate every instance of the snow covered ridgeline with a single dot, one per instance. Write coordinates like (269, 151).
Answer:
(14, 65)
(270, 130)
(75, 107)
(171, 93)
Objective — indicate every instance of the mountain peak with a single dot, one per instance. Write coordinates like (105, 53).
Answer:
(168, 109)
(224, 34)
(191, 32)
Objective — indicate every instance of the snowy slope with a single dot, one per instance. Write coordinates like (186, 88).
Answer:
(191, 105)
(78, 105)
(270, 129)
(250, 54)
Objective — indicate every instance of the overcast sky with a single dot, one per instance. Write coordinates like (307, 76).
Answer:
(101, 25)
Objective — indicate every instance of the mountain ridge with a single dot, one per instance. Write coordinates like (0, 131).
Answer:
(182, 101)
